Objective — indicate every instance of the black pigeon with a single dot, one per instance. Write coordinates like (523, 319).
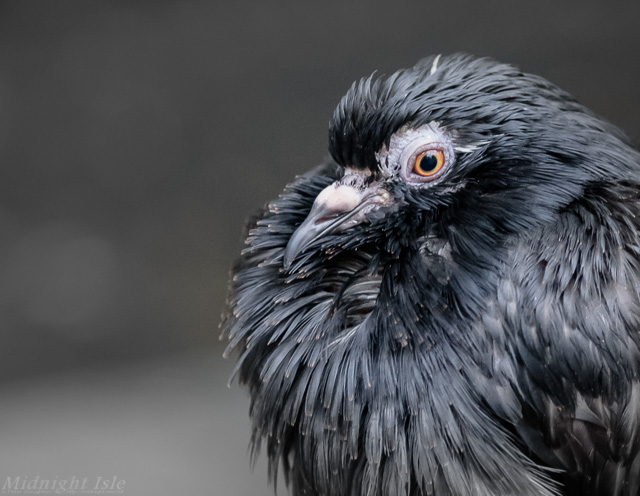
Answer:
(453, 306)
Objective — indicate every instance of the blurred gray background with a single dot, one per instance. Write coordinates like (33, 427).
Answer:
(135, 138)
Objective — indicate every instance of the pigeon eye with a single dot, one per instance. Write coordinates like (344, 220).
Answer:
(429, 163)
(421, 156)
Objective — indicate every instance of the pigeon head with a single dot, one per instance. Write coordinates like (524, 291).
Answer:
(463, 141)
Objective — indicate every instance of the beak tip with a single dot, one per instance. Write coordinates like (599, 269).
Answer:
(286, 263)
(297, 243)
(288, 257)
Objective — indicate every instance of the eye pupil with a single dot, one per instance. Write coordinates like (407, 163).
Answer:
(428, 163)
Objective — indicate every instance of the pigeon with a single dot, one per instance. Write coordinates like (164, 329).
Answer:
(450, 304)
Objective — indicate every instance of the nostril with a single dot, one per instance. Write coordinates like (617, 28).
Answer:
(326, 218)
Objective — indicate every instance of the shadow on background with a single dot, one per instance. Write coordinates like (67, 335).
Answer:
(135, 138)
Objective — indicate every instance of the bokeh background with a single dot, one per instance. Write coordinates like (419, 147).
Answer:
(135, 138)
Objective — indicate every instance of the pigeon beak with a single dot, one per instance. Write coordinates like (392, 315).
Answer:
(336, 208)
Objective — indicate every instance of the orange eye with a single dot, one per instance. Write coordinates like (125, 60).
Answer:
(429, 163)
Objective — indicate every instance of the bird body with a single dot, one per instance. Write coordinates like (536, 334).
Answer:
(451, 306)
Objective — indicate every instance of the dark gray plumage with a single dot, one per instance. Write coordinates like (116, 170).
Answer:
(453, 307)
